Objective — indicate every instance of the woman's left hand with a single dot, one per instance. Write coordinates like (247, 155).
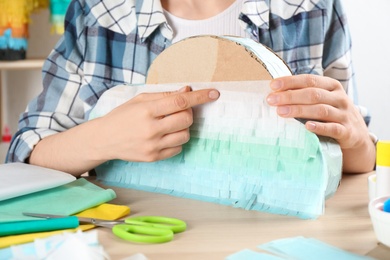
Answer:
(325, 104)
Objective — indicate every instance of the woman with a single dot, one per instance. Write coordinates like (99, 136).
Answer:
(111, 42)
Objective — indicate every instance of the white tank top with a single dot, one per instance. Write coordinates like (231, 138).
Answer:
(225, 23)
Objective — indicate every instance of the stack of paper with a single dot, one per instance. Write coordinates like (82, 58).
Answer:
(17, 179)
(29, 188)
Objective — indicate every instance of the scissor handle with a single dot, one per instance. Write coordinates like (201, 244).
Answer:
(142, 234)
(173, 224)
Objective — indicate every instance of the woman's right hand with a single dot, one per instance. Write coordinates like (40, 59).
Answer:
(151, 126)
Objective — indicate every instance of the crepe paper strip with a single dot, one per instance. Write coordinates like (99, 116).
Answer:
(305, 248)
(240, 154)
(64, 200)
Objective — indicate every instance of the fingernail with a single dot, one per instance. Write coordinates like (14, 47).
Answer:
(283, 110)
(276, 84)
(213, 94)
(311, 126)
(273, 99)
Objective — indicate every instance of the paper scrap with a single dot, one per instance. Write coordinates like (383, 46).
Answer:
(79, 245)
(305, 248)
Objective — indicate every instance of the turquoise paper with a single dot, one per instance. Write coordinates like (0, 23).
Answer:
(64, 200)
(32, 226)
(240, 154)
(296, 248)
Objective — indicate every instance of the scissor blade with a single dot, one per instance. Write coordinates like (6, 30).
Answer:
(94, 221)
(101, 222)
(37, 215)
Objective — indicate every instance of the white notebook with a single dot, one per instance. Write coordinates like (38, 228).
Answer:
(17, 179)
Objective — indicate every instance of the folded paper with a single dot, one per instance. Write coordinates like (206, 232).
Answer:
(65, 200)
(17, 179)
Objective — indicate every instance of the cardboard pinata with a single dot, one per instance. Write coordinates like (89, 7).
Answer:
(241, 153)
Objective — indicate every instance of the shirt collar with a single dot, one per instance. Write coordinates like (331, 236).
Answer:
(255, 13)
(151, 17)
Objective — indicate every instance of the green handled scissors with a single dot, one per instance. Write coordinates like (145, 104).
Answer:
(144, 229)
(149, 229)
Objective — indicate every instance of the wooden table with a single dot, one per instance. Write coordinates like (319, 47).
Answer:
(216, 231)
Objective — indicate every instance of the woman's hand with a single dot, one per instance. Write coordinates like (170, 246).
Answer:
(151, 126)
(329, 111)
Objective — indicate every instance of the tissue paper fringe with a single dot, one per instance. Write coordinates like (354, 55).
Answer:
(244, 156)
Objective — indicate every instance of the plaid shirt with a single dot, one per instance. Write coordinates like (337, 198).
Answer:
(111, 42)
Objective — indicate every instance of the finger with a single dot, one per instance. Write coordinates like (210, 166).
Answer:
(182, 101)
(304, 96)
(169, 152)
(304, 81)
(154, 96)
(175, 122)
(323, 113)
(175, 139)
(333, 130)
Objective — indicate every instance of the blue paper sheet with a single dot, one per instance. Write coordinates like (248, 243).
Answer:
(306, 248)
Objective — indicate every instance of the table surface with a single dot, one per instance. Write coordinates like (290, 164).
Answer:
(216, 231)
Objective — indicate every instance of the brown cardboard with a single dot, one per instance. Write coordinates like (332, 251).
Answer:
(206, 59)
